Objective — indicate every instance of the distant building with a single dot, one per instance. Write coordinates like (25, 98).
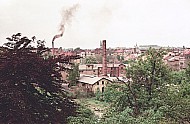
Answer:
(113, 70)
(93, 83)
(186, 55)
(177, 59)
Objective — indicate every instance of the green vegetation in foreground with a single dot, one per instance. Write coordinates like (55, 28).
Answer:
(153, 95)
(31, 90)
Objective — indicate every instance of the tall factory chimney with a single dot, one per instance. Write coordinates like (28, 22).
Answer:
(53, 49)
(104, 58)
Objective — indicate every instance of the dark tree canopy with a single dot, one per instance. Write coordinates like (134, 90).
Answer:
(30, 86)
(73, 75)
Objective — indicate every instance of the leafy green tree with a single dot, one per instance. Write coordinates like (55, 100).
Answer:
(153, 94)
(30, 86)
(175, 103)
(84, 116)
(98, 58)
(73, 75)
(125, 117)
(112, 92)
(122, 58)
(99, 95)
(77, 49)
(175, 99)
(187, 72)
(90, 60)
(137, 100)
(146, 79)
(178, 77)
(118, 57)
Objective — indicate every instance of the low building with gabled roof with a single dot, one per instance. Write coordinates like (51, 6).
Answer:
(93, 83)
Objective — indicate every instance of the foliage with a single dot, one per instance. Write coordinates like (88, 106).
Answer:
(84, 116)
(81, 93)
(112, 92)
(77, 49)
(118, 57)
(73, 75)
(129, 61)
(178, 77)
(187, 72)
(90, 60)
(122, 58)
(98, 58)
(153, 94)
(125, 117)
(175, 102)
(30, 86)
(147, 76)
(99, 95)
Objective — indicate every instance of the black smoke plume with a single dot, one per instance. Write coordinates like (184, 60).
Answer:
(67, 15)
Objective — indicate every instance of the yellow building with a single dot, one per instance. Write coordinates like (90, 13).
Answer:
(93, 83)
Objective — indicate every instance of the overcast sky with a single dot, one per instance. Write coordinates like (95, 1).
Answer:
(123, 23)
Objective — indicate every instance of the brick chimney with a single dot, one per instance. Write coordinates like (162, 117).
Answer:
(104, 58)
(53, 49)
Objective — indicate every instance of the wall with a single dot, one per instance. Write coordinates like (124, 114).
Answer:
(98, 85)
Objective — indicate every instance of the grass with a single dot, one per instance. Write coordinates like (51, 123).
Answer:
(98, 107)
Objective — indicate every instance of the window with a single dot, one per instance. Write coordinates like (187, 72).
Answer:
(102, 82)
(102, 89)
(97, 83)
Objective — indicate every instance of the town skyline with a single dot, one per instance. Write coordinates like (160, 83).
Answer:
(124, 23)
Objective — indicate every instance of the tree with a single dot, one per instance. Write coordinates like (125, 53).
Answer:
(174, 103)
(90, 60)
(98, 58)
(146, 78)
(187, 72)
(153, 94)
(30, 86)
(84, 116)
(122, 58)
(77, 49)
(73, 75)
(136, 100)
(118, 57)
(112, 92)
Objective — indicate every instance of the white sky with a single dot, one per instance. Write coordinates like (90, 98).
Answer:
(123, 23)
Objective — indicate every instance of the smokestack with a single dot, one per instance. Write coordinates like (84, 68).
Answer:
(104, 59)
(53, 50)
(66, 18)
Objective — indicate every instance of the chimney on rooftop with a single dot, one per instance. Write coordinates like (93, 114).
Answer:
(104, 58)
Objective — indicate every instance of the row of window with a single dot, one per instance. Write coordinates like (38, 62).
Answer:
(102, 83)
